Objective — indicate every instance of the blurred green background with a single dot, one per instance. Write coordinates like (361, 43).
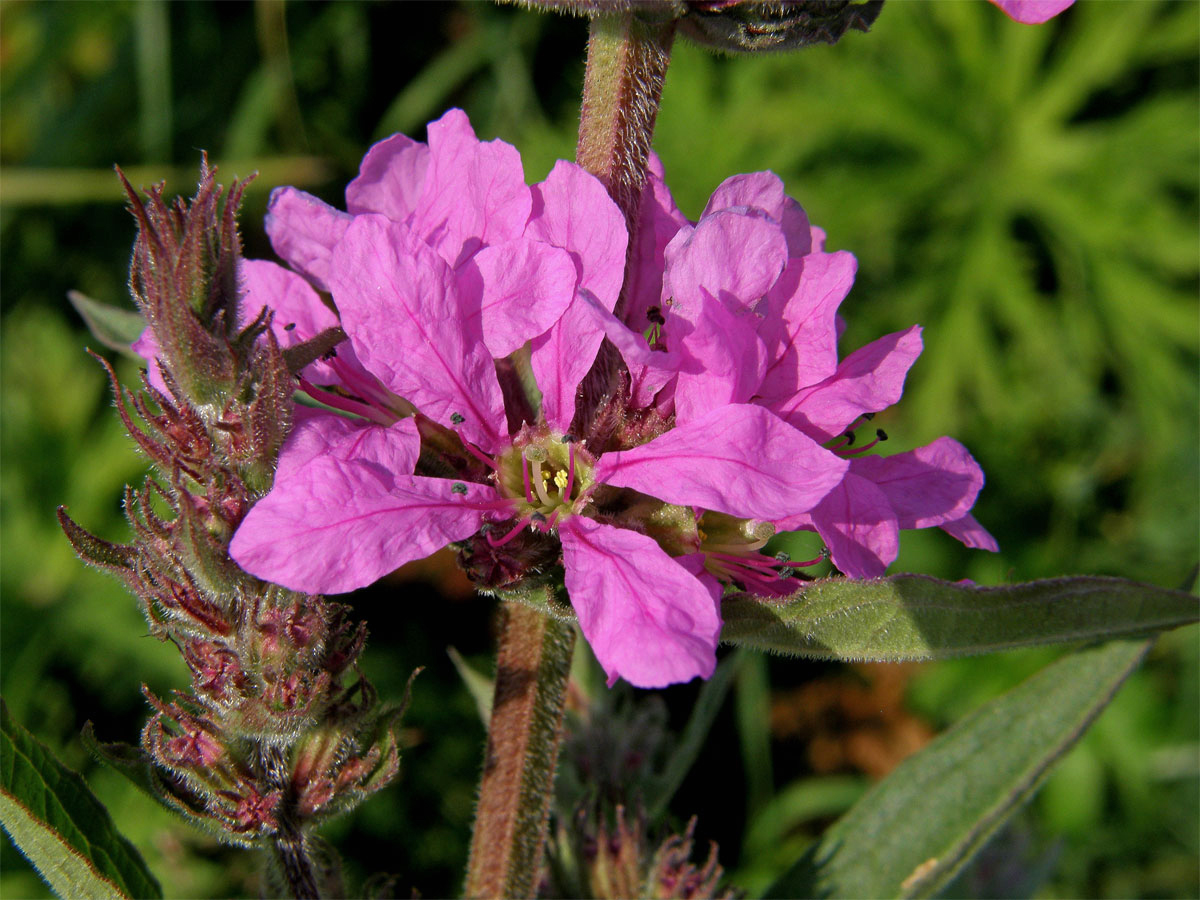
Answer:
(1028, 194)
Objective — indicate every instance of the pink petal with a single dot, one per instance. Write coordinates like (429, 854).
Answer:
(762, 190)
(400, 306)
(801, 235)
(304, 231)
(740, 459)
(338, 525)
(562, 357)
(858, 527)
(526, 287)
(971, 533)
(647, 619)
(318, 433)
(732, 256)
(147, 347)
(868, 380)
(928, 486)
(1032, 12)
(659, 220)
(721, 358)
(474, 193)
(299, 312)
(390, 178)
(799, 327)
(572, 210)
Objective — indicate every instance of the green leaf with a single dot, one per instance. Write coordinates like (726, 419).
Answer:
(910, 834)
(913, 617)
(112, 326)
(57, 822)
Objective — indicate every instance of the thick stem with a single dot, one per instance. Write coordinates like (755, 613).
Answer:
(626, 65)
(522, 754)
(288, 845)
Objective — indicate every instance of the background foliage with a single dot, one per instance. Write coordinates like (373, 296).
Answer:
(1028, 194)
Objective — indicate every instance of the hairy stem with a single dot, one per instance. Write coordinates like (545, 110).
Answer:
(626, 65)
(522, 754)
(288, 845)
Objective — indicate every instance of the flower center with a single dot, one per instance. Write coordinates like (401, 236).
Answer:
(730, 547)
(547, 476)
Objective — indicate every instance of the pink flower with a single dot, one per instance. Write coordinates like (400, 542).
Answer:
(455, 282)
(1032, 12)
(748, 315)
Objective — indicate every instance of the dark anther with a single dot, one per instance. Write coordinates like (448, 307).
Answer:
(881, 434)
(654, 314)
(787, 572)
(868, 416)
(458, 488)
(849, 436)
(568, 439)
(486, 527)
(456, 418)
(329, 354)
(289, 326)
(538, 517)
(782, 556)
(825, 553)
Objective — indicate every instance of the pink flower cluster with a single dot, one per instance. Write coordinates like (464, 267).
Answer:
(501, 399)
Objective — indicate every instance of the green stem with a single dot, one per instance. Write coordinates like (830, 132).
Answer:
(626, 65)
(522, 754)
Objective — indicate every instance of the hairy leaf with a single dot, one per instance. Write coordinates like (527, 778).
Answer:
(912, 617)
(911, 833)
(57, 822)
(112, 326)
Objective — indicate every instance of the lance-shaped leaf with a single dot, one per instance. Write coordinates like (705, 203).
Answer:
(58, 823)
(112, 326)
(913, 831)
(912, 617)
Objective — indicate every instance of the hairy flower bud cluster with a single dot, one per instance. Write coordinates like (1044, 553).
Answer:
(617, 860)
(279, 730)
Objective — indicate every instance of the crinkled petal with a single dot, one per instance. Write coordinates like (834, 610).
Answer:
(304, 230)
(400, 306)
(474, 192)
(320, 433)
(721, 358)
(525, 287)
(858, 527)
(562, 357)
(659, 220)
(338, 525)
(740, 459)
(970, 532)
(734, 256)
(762, 190)
(799, 329)
(928, 486)
(390, 178)
(299, 313)
(572, 210)
(800, 234)
(868, 380)
(647, 619)
(1032, 12)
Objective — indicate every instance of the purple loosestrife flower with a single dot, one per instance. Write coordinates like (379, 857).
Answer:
(747, 318)
(475, 309)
